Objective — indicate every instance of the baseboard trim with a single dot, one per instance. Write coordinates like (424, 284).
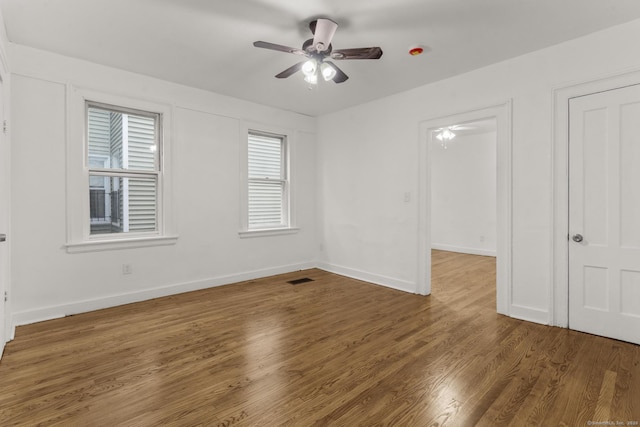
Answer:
(389, 282)
(529, 314)
(464, 250)
(55, 312)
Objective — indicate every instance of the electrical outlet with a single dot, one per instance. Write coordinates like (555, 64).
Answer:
(482, 238)
(127, 269)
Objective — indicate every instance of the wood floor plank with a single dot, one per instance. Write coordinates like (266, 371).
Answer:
(603, 405)
(627, 383)
(333, 351)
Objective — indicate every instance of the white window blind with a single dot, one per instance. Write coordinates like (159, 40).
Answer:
(267, 181)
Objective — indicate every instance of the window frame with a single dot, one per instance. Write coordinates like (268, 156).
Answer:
(126, 172)
(79, 237)
(283, 181)
(288, 225)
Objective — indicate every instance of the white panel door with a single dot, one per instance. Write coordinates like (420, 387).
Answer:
(4, 220)
(604, 214)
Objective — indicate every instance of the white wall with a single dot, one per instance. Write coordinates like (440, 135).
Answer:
(49, 282)
(463, 198)
(369, 159)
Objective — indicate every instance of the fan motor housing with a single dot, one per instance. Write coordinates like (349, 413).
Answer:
(307, 46)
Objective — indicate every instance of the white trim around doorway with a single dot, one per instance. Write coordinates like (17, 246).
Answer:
(502, 113)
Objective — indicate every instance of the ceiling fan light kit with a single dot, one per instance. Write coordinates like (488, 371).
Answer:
(317, 50)
(310, 67)
(311, 79)
(328, 72)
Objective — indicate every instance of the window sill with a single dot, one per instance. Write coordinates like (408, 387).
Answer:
(114, 244)
(267, 232)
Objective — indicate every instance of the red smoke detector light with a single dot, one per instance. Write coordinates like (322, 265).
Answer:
(415, 51)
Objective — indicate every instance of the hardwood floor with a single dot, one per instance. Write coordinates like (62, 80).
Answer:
(334, 351)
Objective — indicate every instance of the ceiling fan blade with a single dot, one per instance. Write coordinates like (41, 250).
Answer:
(291, 70)
(323, 34)
(340, 76)
(279, 48)
(357, 53)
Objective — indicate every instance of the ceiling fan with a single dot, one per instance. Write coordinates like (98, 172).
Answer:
(318, 50)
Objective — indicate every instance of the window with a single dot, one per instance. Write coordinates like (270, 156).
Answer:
(268, 201)
(123, 169)
(267, 190)
(119, 183)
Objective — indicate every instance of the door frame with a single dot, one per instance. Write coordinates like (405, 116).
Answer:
(6, 322)
(559, 291)
(502, 113)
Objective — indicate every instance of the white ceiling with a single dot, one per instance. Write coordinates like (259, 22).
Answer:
(208, 43)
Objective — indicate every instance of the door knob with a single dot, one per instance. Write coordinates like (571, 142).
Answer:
(3, 237)
(577, 238)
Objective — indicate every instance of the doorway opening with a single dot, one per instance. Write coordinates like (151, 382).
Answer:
(463, 208)
(493, 238)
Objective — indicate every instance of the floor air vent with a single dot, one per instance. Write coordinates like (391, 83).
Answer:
(299, 281)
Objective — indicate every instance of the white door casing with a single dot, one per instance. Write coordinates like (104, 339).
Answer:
(4, 219)
(502, 114)
(604, 213)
